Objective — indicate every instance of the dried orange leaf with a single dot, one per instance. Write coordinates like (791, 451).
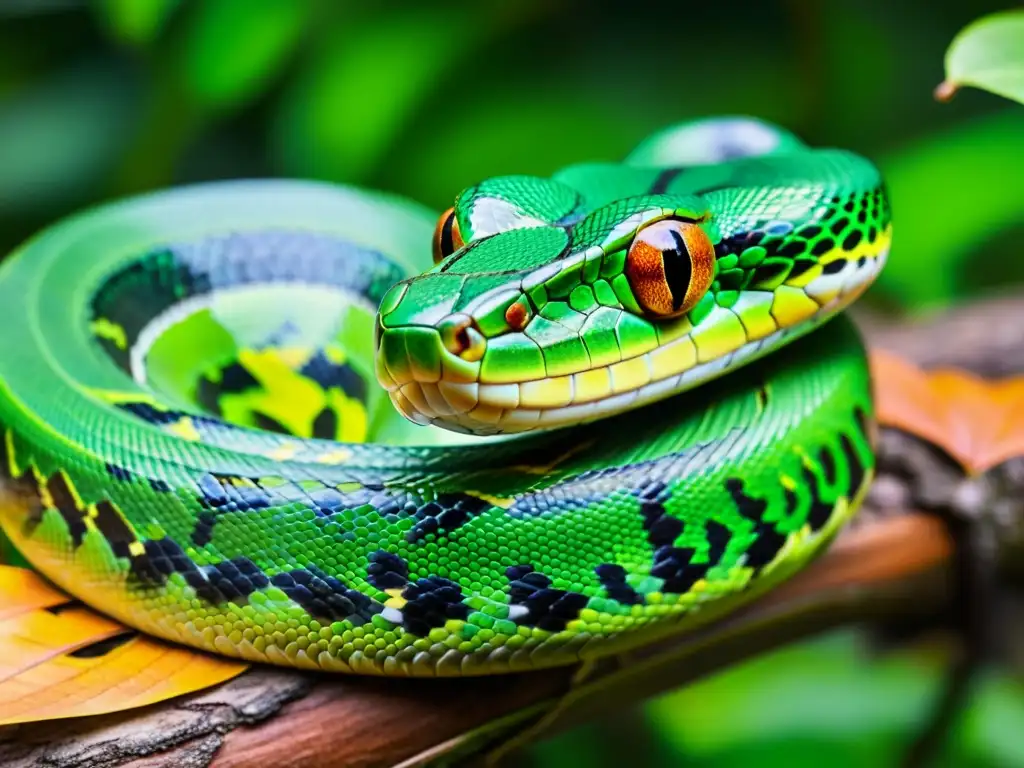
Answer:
(21, 591)
(37, 636)
(64, 664)
(978, 422)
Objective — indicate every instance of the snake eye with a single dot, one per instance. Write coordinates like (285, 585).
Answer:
(447, 238)
(670, 266)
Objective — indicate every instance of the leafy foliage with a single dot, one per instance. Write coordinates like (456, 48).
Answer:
(947, 245)
(426, 101)
(988, 54)
(829, 701)
(135, 23)
(222, 71)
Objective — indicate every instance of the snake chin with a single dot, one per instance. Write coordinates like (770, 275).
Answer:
(494, 409)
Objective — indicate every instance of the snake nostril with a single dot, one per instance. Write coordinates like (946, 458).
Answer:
(461, 336)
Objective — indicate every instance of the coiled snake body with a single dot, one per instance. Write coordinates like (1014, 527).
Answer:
(192, 439)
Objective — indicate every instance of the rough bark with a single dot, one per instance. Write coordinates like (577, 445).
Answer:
(890, 563)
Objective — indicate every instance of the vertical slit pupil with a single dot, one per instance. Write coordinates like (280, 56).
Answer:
(447, 240)
(678, 270)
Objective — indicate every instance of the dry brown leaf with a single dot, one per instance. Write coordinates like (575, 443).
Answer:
(73, 662)
(22, 590)
(978, 422)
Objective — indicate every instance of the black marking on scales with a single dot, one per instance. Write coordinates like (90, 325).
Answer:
(162, 417)
(104, 514)
(665, 179)
(387, 570)
(234, 378)
(115, 529)
(592, 486)
(676, 565)
(445, 512)
(223, 493)
(322, 596)
(152, 562)
(433, 513)
(827, 460)
(329, 375)
(230, 580)
(62, 493)
(857, 469)
(613, 578)
(865, 422)
(430, 603)
(158, 559)
(768, 541)
(819, 511)
(164, 276)
(649, 482)
(326, 597)
(119, 473)
(545, 608)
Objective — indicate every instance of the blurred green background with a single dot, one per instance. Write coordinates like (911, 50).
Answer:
(114, 97)
(106, 98)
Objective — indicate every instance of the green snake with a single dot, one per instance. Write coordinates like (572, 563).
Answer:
(194, 443)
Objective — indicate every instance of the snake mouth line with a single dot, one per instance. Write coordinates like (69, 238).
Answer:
(729, 337)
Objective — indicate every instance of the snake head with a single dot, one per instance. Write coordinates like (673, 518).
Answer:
(549, 305)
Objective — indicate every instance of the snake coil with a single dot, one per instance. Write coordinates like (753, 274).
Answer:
(193, 439)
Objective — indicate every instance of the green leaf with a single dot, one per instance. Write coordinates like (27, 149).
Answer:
(988, 54)
(135, 22)
(236, 47)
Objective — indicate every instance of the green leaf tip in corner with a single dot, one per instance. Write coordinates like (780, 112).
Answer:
(987, 54)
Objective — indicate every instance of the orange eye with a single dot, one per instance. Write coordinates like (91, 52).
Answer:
(670, 266)
(447, 238)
